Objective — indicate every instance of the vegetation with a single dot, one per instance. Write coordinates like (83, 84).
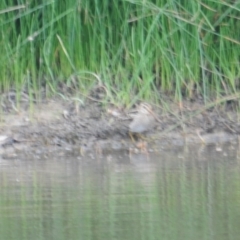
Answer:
(130, 48)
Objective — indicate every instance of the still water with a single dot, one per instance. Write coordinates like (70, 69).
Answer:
(183, 194)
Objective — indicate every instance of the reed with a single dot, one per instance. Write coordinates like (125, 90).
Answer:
(135, 49)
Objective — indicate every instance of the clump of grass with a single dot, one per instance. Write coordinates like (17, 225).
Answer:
(138, 49)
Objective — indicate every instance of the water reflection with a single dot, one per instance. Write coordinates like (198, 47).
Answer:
(184, 193)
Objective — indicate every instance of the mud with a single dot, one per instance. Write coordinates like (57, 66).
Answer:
(58, 125)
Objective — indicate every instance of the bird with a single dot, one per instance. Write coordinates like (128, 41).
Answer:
(143, 120)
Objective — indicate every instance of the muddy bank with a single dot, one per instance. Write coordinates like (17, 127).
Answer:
(58, 125)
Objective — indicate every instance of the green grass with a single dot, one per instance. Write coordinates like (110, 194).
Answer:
(133, 49)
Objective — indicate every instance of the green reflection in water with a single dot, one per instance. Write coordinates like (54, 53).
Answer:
(161, 198)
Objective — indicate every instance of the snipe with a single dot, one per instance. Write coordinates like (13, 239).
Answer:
(143, 120)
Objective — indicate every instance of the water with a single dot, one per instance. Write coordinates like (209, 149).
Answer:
(182, 194)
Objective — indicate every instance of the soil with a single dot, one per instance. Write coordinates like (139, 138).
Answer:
(60, 125)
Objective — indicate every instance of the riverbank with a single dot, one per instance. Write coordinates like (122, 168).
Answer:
(63, 125)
